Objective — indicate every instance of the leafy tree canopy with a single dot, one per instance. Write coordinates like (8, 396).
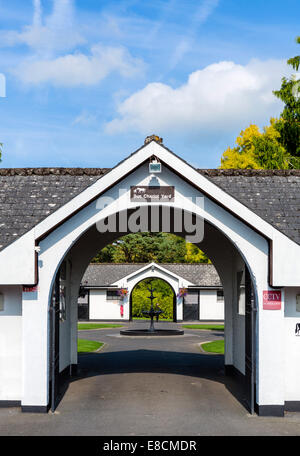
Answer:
(256, 150)
(289, 127)
(278, 146)
(163, 298)
(195, 255)
(148, 247)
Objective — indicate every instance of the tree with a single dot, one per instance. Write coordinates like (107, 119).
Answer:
(144, 248)
(1, 145)
(163, 297)
(148, 247)
(257, 150)
(289, 125)
(278, 146)
(195, 255)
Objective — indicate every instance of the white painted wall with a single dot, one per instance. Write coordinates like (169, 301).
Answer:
(17, 261)
(102, 309)
(11, 344)
(210, 307)
(238, 319)
(239, 343)
(35, 347)
(291, 346)
(252, 247)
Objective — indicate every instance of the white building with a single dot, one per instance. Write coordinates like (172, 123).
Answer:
(53, 222)
(101, 283)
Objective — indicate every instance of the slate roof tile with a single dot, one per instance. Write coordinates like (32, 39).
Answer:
(29, 195)
(106, 274)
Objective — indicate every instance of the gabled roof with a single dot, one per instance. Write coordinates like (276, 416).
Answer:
(107, 274)
(29, 195)
(44, 197)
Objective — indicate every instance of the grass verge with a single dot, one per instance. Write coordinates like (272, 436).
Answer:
(208, 327)
(85, 346)
(217, 346)
(81, 326)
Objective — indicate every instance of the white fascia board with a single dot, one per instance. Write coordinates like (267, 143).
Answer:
(17, 261)
(118, 282)
(160, 268)
(171, 273)
(100, 186)
(212, 190)
(138, 271)
(175, 163)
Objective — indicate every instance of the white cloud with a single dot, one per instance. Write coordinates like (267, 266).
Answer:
(205, 10)
(56, 32)
(200, 16)
(79, 69)
(221, 96)
(86, 119)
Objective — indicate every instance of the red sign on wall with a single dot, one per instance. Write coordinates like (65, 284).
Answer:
(30, 289)
(272, 300)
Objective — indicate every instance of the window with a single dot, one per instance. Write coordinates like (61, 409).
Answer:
(112, 295)
(220, 295)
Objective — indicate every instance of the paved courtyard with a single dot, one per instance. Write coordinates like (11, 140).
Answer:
(149, 386)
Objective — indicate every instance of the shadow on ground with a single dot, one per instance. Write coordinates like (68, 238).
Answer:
(198, 365)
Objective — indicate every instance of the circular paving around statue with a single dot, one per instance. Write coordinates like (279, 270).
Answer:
(147, 333)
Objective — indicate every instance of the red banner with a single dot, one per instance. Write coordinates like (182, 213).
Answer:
(272, 300)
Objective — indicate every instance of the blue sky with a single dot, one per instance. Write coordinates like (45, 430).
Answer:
(88, 80)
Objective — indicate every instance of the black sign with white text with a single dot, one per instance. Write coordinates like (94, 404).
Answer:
(142, 193)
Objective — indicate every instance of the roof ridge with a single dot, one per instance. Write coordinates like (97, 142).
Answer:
(78, 171)
(144, 264)
(53, 171)
(249, 172)
(97, 264)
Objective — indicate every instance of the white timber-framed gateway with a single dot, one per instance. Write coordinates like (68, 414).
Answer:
(100, 299)
(48, 236)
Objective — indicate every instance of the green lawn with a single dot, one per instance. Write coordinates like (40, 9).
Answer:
(96, 326)
(85, 346)
(216, 346)
(209, 327)
(146, 318)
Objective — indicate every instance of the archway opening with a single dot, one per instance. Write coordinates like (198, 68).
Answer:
(165, 299)
(227, 260)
